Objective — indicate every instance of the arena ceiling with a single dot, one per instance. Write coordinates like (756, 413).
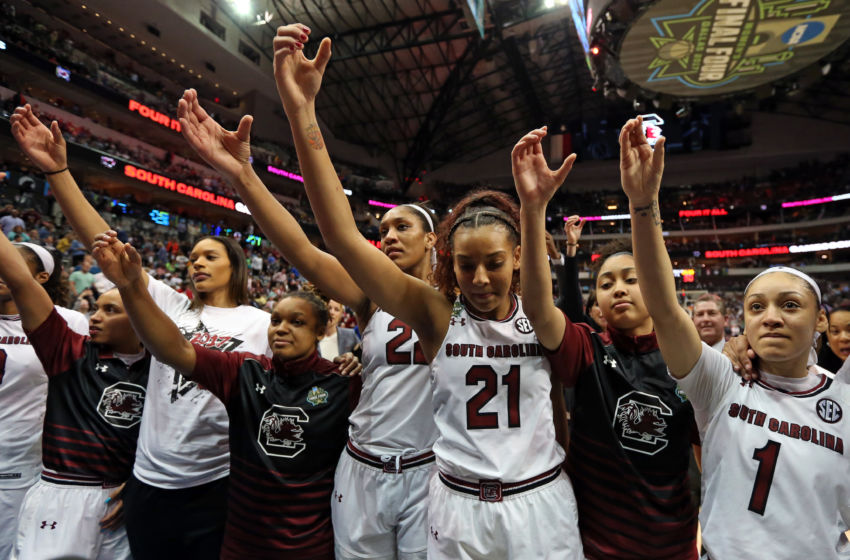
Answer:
(415, 80)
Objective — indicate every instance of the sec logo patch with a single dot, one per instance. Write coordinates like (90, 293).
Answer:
(829, 411)
(523, 325)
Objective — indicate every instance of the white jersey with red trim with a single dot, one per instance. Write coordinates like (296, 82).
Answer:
(23, 395)
(491, 399)
(395, 411)
(776, 475)
(183, 440)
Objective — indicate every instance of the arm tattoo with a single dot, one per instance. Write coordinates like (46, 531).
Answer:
(314, 136)
(650, 210)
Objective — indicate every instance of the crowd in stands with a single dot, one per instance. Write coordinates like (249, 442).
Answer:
(164, 249)
(103, 68)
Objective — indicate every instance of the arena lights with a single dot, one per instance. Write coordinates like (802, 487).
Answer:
(63, 73)
(158, 180)
(155, 116)
(159, 217)
(811, 201)
(603, 218)
(702, 212)
(686, 274)
(284, 173)
(380, 204)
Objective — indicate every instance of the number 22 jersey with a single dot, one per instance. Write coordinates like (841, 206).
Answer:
(491, 399)
(394, 413)
(776, 477)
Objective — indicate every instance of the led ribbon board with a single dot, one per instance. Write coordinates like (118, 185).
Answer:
(155, 116)
(167, 183)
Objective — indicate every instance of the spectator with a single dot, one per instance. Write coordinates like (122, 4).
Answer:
(83, 279)
(18, 235)
(710, 320)
(12, 219)
(337, 340)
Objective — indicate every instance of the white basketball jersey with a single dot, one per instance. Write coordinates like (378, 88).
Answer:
(776, 476)
(395, 411)
(23, 395)
(491, 399)
(183, 439)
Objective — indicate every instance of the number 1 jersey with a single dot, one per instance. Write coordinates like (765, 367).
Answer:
(776, 477)
(491, 399)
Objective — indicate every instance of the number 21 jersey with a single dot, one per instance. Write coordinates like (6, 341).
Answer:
(491, 399)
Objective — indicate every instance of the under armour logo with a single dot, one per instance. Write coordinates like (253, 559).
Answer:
(260, 388)
(609, 361)
(338, 497)
(434, 533)
(462, 321)
(44, 525)
(102, 368)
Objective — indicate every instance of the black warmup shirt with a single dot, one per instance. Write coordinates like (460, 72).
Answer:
(288, 426)
(94, 405)
(629, 449)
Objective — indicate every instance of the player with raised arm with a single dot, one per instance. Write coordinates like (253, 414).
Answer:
(95, 397)
(630, 439)
(288, 414)
(499, 464)
(381, 484)
(176, 499)
(776, 480)
(23, 389)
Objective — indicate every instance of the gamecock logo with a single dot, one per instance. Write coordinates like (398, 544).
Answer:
(639, 420)
(121, 404)
(281, 431)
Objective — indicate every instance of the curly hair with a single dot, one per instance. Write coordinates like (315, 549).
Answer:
(478, 208)
(56, 286)
(608, 250)
(319, 303)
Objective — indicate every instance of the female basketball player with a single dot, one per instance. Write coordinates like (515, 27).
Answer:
(23, 389)
(288, 415)
(496, 451)
(176, 500)
(381, 483)
(628, 457)
(94, 403)
(771, 448)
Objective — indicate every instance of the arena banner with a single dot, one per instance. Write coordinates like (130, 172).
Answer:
(715, 47)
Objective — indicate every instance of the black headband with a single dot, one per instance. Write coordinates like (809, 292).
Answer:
(475, 212)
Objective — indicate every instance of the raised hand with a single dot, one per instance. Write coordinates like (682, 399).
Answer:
(120, 262)
(535, 182)
(228, 152)
(45, 147)
(573, 227)
(298, 78)
(641, 167)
